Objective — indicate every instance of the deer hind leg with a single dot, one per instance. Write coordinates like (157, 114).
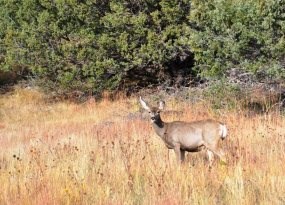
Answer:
(220, 154)
(217, 152)
(210, 157)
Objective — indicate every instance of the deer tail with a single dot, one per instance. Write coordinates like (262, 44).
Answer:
(223, 131)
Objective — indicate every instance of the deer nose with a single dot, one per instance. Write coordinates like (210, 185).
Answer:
(152, 118)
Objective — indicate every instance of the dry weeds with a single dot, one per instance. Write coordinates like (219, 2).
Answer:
(107, 153)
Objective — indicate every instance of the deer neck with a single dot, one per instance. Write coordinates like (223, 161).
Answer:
(159, 127)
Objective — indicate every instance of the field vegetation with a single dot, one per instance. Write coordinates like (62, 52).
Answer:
(64, 140)
(105, 152)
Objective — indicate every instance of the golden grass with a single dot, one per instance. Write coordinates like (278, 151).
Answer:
(106, 153)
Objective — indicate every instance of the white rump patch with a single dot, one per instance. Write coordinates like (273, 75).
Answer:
(223, 131)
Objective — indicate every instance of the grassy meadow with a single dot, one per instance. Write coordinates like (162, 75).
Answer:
(106, 152)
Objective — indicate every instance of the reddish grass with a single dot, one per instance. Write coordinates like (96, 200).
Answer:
(107, 153)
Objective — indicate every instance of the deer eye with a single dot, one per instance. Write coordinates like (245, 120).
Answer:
(158, 112)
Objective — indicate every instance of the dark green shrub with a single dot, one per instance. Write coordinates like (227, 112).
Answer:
(238, 33)
(101, 45)
(91, 45)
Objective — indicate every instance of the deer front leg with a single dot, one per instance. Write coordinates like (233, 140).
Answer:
(178, 153)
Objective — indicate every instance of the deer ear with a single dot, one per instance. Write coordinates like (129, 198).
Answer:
(161, 105)
(143, 103)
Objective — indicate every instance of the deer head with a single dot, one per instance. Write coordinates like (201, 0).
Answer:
(154, 112)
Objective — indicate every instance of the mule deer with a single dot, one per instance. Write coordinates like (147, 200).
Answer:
(188, 136)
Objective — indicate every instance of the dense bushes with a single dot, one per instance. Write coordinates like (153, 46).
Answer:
(96, 45)
(239, 33)
(91, 45)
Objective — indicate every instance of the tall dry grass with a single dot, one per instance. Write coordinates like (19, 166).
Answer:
(107, 153)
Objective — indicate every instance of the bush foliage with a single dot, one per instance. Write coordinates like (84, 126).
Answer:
(239, 33)
(94, 45)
